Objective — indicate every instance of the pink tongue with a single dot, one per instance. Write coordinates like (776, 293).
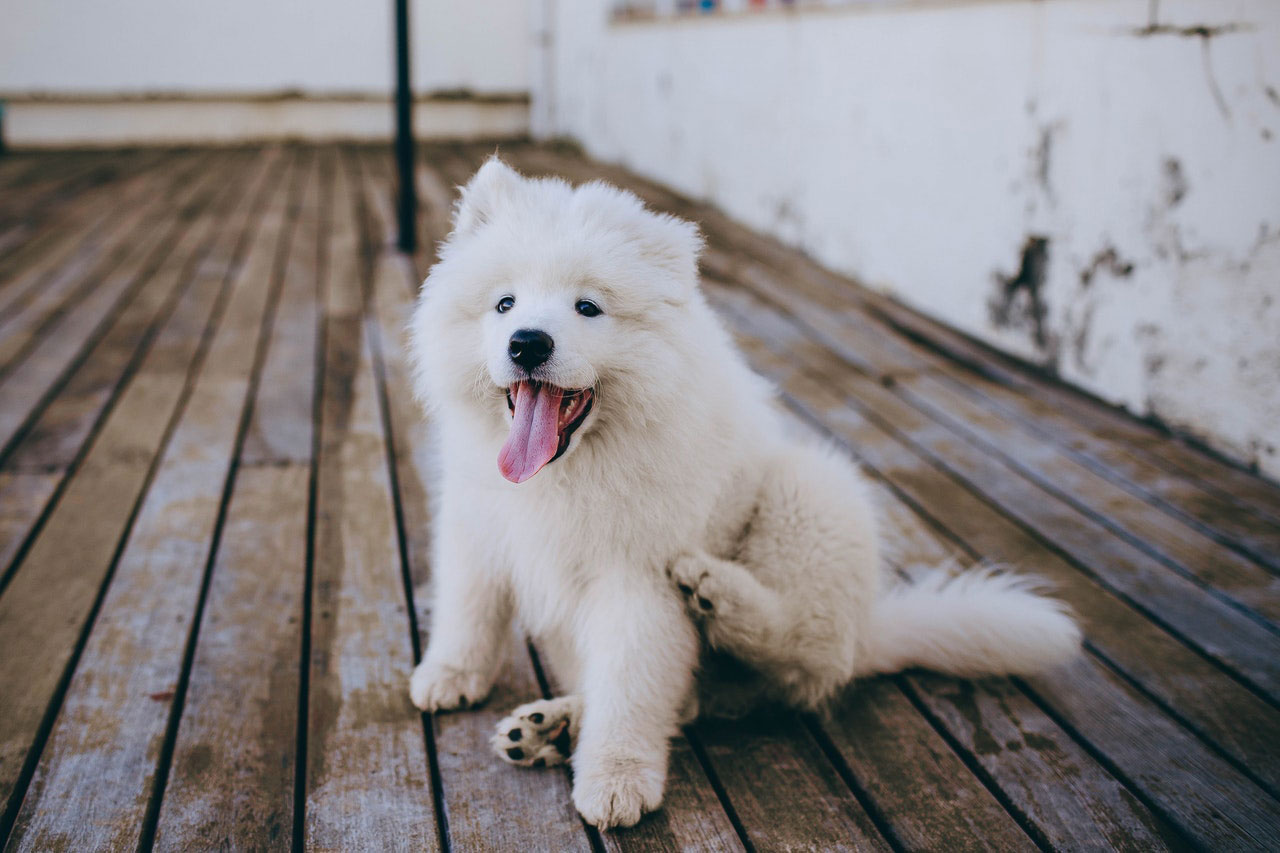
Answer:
(535, 433)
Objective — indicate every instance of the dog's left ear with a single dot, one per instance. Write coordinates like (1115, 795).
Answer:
(491, 186)
(673, 244)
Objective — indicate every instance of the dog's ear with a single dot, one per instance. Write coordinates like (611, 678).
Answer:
(492, 185)
(667, 242)
(674, 244)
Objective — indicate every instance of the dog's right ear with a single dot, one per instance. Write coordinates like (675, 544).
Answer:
(492, 185)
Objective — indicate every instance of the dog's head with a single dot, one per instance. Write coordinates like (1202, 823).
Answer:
(552, 310)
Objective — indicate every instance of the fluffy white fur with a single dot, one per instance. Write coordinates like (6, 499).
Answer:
(686, 550)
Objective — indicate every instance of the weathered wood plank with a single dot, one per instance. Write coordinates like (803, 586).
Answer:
(231, 781)
(1070, 801)
(45, 606)
(58, 433)
(81, 219)
(32, 212)
(94, 232)
(101, 755)
(68, 419)
(57, 428)
(22, 496)
(25, 384)
(22, 205)
(368, 782)
(282, 429)
(784, 791)
(922, 790)
(1151, 445)
(1236, 525)
(1180, 546)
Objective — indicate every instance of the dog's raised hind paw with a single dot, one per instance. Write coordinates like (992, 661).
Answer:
(539, 734)
(695, 580)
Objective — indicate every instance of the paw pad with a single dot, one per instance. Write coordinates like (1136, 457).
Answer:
(534, 738)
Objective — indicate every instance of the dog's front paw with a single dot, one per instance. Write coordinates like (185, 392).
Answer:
(436, 687)
(695, 579)
(538, 734)
(619, 796)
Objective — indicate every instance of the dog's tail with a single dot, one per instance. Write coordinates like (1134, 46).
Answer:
(974, 623)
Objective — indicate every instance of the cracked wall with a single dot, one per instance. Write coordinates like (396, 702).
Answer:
(1093, 185)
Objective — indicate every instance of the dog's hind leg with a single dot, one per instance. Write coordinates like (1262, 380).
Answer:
(801, 582)
(761, 627)
(736, 612)
(541, 733)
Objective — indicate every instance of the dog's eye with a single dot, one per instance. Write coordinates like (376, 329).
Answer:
(504, 304)
(587, 308)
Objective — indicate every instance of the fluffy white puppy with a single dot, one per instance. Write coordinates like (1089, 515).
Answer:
(612, 474)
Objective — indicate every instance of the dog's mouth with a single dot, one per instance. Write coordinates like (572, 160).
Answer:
(543, 419)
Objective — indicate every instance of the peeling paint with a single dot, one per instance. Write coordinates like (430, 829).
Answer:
(1107, 259)
(1019, 302)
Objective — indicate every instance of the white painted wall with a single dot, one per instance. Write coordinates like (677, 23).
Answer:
(918, 146)
(257, 46)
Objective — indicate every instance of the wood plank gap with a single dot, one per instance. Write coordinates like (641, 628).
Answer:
(324, 226)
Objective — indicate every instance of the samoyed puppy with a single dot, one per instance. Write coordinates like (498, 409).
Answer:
(614, 477)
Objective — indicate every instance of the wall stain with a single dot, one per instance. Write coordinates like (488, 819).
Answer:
(1043, 157)
(1175, 181)
(1107, 259)
(1018, 302)
(1201, 31)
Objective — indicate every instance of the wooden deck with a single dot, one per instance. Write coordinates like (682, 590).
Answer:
(212, 525)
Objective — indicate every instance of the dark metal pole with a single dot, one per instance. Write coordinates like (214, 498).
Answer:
(408, 201)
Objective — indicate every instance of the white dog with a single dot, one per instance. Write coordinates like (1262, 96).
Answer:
(613, 475)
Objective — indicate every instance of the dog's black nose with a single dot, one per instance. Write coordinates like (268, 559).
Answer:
(530, 347)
